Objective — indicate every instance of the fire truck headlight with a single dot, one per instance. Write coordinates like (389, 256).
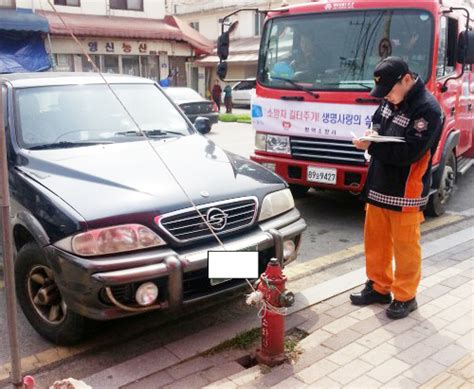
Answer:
(276, 203)
(278, 144)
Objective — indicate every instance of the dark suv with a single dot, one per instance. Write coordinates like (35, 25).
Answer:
(117, 199)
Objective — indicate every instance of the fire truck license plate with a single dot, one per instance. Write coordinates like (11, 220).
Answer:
(322, 175)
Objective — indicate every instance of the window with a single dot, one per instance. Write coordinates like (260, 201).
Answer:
(195, 25)
(111, 64)
(7, 4)
(258, 20)
(87, 66)
(447, 47)
(72, 3)
(130, 65)
(245, 85)
(339, 50)
(150, 67)
(64, 63)
(92, 113)
(131, 5)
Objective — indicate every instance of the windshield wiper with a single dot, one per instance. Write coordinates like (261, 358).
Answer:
(129, 133)
(159, 133)
(297, 86)
(149, 133)
(65, 144)
(342, 83)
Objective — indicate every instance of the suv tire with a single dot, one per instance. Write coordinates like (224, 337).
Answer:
(40, 298)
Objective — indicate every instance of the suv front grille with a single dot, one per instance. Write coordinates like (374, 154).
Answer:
(326, 150)
(187, 225)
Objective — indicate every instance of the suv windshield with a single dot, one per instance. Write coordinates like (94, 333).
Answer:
(340, 50)
(88, 114)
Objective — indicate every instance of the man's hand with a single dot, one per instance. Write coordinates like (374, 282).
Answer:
(360, 145)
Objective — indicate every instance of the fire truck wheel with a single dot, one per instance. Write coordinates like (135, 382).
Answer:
(439, 200)
(298, 190)
(40, 298)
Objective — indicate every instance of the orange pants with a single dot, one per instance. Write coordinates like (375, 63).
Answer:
(390, 233)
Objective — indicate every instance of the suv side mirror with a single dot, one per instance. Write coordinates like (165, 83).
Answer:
(202, 125)
(465, 49)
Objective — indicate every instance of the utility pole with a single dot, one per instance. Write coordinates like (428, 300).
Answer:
(10, 294)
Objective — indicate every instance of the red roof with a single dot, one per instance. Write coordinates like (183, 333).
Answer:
(193, 37)
(169, 28)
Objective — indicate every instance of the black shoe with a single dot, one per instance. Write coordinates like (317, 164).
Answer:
(370, 296)
(401, 309)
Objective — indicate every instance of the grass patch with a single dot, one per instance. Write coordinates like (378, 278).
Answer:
(243, 341)
(230, 117)
(292, 348)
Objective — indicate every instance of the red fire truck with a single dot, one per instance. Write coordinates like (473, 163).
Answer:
(315, 72)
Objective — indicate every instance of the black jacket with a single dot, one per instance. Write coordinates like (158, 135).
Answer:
(399, 176)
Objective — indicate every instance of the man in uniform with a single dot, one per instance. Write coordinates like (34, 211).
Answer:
(397, 186)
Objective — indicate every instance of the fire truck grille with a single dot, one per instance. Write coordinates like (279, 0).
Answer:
(324, 150)
(224, 217)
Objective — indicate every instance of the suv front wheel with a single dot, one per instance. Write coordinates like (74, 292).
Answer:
(41, 301)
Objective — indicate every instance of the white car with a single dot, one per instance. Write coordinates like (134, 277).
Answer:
(242, 92)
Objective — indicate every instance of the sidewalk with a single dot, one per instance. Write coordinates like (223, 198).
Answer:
(345, 345)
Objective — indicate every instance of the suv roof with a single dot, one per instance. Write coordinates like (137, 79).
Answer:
(24, 80)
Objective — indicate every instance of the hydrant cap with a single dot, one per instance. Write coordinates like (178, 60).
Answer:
(274, 262)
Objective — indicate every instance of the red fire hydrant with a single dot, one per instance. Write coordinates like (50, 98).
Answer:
(272, 286)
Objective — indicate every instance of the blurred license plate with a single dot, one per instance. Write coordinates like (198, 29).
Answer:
(322, 175)
(230, 260)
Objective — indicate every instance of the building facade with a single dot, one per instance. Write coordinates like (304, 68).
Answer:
(205, 16)
(133, 37)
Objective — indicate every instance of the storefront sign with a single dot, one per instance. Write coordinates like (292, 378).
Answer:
(117, 47)
(109, 47)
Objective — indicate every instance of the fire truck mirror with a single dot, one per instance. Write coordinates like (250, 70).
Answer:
(222, 70)
(465, 49)
(223, 46)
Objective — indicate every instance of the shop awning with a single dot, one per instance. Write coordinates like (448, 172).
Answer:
(233, 58)
(21, 43)
(243, 51)
(21, 19)
(122, 27)
(190, 35)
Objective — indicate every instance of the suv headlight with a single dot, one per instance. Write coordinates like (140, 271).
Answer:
(277, 144)
(111, 240)
(276, 203)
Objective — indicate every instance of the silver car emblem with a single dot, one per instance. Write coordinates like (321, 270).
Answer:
(204, 193)
(216, 218)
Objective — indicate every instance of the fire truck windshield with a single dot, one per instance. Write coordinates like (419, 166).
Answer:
(339, 50)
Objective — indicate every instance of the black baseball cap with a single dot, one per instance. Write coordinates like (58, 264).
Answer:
(386, 74)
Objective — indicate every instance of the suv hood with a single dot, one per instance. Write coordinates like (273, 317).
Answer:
(114, 180)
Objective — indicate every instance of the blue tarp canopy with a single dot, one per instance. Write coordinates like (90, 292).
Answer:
(21, 44)
(22, 19)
